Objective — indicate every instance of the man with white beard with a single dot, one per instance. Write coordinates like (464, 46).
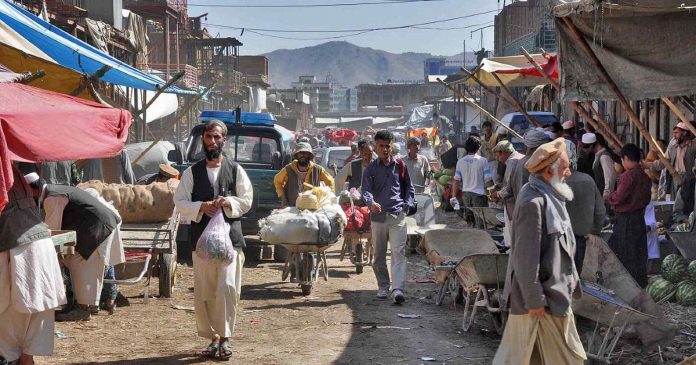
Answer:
(541, 276)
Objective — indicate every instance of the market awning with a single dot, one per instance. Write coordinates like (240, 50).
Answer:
(63, 128)
(28, 43)
(647, 46)
(513, 71)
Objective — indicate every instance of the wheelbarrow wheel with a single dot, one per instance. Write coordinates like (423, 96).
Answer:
(167, 274)
(306, 289)
(499, 320)
(359, 259)
(280, 253)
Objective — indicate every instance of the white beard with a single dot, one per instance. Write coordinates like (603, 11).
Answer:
(561, 187)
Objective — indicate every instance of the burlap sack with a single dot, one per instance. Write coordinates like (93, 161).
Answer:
(138, 203)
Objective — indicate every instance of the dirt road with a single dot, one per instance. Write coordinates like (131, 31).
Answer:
(338, 324)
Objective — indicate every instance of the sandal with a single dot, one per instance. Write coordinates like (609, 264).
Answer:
(225, 351)
(211, 351)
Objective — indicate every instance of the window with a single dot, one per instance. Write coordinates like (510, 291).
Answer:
(244, 149)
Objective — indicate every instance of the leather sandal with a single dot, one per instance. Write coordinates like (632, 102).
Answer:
(225, 351)
(211, 351)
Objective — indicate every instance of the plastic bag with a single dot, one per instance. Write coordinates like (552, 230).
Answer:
(307, 200)
(215, 245)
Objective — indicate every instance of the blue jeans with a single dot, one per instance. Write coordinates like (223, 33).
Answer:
(109, 291)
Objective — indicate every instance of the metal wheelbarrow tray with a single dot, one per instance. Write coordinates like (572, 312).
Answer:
(482, 277)
(444, 248)
(685, 242)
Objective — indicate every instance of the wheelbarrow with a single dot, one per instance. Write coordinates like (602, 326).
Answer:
(482, 277)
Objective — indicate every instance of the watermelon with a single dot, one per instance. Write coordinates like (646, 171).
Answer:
(444, 179)
(686, 293)
(692, 270)
(653, 278)
(437, 174)
(674, 268)
(448, 172)
(660, 289)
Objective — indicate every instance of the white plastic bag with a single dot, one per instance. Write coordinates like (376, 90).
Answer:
(215, 245)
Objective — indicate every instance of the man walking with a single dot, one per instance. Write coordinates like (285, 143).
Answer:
(352, 172)
(541, 277)
(388, 191)
(31, 285)
(215, 183)
(586, 213)
(632, 195)
(508, 157)
(417, 165)
(470, 178)
(290, 180)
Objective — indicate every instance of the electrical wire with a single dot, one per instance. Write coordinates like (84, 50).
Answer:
(385, 2)
(349, 30)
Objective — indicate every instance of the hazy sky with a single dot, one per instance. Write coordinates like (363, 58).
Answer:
(438, 42)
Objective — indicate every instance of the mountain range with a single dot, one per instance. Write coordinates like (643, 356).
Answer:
(345, 64)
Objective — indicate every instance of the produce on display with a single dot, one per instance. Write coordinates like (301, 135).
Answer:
(686, 293)
(674, 268)
(660, 289)
(138, 203)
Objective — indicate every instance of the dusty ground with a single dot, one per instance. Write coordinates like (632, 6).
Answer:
(338, 324)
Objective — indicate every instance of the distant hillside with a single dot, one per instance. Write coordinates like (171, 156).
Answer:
(348, 64)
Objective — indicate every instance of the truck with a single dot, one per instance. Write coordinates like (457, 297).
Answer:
(256, 143)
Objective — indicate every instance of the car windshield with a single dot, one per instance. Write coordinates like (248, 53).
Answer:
(244, 149)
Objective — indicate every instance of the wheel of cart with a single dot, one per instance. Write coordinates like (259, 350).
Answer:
(150, 249)
(358, 247)
(444, 248)
(487, 218)
(307, 260)
(482, 277)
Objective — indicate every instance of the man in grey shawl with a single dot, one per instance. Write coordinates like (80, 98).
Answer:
(541, 277)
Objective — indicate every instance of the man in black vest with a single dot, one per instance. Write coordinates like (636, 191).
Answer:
(31, 285)
(215, 183)
(73, 209)
(352, 171)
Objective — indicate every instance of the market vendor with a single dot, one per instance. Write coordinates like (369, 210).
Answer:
(290, 180)
(31, 284)
(352, 172)
(211, 184)
(165, 173)
(98, 244)
(507, 155)
(541, 280)
(418, 165)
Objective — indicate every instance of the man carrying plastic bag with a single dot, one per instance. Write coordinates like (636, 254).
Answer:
(215, 186)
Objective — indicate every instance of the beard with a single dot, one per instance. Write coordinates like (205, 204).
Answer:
(561, 187)
(303, 162)
(214, 153)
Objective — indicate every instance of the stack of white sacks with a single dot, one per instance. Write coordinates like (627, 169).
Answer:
(316, 219)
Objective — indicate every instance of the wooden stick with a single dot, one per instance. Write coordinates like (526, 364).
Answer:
(679, 114)
(604, 122)
(517, 104)
(615, 145)
(632, 116)
(160, 90)
(166, 130)
(481, 109)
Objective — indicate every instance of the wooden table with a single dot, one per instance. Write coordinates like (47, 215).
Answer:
(64, 241)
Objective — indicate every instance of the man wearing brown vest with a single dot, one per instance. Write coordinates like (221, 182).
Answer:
(290, 180)
(211, 184)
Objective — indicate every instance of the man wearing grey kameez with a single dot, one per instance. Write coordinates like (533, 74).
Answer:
(541, 277)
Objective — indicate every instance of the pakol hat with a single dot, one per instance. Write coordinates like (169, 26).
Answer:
(568, 124)
(545, 155)
(504, 146)
(589, 138)
(303, 147)
(535, 138)
(168, 171)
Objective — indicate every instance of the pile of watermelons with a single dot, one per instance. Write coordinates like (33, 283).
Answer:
(444, 176)
(678, 281)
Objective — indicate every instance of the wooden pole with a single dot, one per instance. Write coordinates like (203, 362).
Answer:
(604, 122)
(632, 116)
(160, 90)
(481, 109)
(614, 144)
(517, 104)
(679, 114)
(166, 130)
(488, 88)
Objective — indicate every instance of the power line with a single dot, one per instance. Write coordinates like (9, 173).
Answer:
(307, 39)
(454, 28)
(349, 30)
(314, 5)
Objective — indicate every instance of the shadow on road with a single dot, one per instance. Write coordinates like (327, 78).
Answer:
(177, 359)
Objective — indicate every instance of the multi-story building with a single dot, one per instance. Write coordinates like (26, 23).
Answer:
(291, 108)
(391, 96)
(344, 99)
(319, 92)
(527, 24)
(436, 66)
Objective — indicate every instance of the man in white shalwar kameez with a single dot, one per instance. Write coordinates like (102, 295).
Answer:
(95, 221)
(216, 182)
(31, 285)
